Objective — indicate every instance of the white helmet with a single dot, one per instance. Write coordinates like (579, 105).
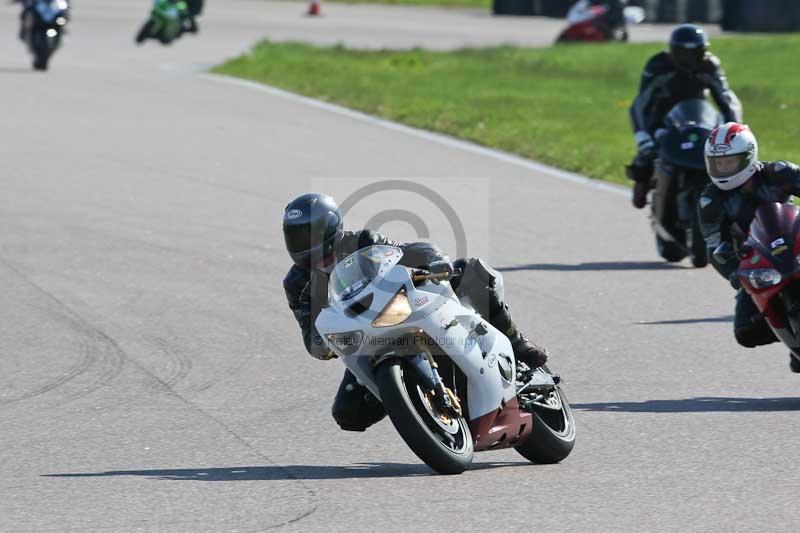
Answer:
(731, 155)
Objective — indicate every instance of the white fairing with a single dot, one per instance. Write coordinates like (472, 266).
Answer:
(633, 14)
(437, 316)
(580, 12)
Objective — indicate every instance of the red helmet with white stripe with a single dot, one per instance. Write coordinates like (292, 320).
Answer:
(731, 155)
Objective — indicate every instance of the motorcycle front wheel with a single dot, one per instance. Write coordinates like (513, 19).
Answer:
(670, 251)
(41, 49)
(553, 435)
(444, 443)
(144, 32)
(699, 253)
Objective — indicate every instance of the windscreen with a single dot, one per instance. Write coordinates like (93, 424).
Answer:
(695, 111)
(359, 269)
(774, 223)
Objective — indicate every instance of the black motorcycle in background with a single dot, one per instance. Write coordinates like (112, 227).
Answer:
(679, 179)
(42, 26)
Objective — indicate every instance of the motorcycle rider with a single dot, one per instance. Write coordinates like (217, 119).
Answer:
(684, 71)
(740, 183)
(614, 17)
(315, 239)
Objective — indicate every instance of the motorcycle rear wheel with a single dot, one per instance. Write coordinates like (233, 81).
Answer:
(403, 400)
(553, 435)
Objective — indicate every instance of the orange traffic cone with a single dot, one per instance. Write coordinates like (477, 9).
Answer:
(314, 8)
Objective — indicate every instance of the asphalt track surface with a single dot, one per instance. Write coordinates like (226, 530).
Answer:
(152, 378)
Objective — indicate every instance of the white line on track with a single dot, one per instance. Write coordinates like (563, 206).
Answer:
(439, 138)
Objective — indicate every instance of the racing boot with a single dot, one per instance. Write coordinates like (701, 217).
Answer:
(526, 351)
(639, 199)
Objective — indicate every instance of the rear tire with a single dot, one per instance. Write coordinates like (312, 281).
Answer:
(398, 384)
(553, 435)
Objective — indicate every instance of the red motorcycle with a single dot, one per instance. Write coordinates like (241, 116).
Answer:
(592, 22)
(769, 269)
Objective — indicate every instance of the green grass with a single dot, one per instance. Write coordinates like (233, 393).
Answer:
(566, 106)
(485, 4)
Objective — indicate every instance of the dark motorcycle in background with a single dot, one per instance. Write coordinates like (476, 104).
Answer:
(679, 179)
(596, 22)
(769, 270)
(43, 25)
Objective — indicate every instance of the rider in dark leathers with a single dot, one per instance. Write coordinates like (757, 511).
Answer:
(726, 211)
(685, 71)
(316, 241)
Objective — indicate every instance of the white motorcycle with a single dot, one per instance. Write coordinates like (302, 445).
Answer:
(446, 377)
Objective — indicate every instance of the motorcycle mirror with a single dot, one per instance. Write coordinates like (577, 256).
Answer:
(723, 253)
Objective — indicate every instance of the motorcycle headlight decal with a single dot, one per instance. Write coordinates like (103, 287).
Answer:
(346, 343)
(762, 278)
(396, 311)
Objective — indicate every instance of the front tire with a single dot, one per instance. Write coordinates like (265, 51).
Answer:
(446, 452)
(41, 50)
(553, 435)
(144, 32)
(698, 248)
(670, 251)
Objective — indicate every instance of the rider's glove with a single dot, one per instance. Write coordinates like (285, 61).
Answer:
(319, 350)
(441, 267)
(645, 145)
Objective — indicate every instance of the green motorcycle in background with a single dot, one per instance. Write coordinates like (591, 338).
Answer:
(169, 19)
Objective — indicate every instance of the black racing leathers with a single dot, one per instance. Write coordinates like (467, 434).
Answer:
(663, 85)
(725, 216)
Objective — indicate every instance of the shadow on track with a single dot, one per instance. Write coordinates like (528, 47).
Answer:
(695, 405)
(283, 472)
(598, 266)
(723, 318)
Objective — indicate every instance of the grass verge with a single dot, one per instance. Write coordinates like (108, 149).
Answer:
(565, 106)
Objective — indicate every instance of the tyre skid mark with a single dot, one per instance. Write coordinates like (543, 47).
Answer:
(96, 352)
(83, 363)
(121, 357)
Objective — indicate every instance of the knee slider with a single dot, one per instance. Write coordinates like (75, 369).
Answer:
(745, 337)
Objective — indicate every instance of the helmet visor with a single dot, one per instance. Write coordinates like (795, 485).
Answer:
(727, 165)
(304, 237)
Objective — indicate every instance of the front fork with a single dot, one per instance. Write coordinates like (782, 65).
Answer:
(443, 398)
